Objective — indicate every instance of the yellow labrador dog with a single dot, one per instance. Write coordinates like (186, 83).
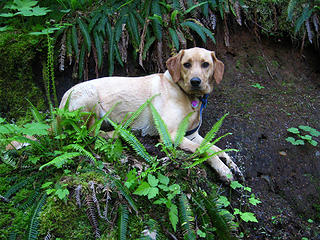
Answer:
(190, 76)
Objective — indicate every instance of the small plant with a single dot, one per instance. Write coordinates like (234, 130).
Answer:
(303, 133)
(257, 85)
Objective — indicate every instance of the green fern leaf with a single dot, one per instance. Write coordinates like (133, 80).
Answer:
(85, 32)
(161, 127)
(208, 33)
(94, 20)
(15, 188)
(126, 194)
(137, 113)
(174, 38)
(218, 221)
(99, 47)
(194, 7)
(133, 29)
(195, 27)
(75, 41)
(147, 46)
(123, 222)
(69, 42)
(306, 13)
(81, 150)
(118, 56)
(156, 25)
(132, 141)
(110, 54)
(35, 113)
(81, 60)
(182, 130)
(206, 147)
(34, 224)
(118, 27)
(212, 133)
(186, 218)
(61, 160)
(290, 9)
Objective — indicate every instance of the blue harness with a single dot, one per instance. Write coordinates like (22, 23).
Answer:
(204, 101)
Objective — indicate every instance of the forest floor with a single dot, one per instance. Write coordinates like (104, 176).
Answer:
(286, 178)
(267, 88)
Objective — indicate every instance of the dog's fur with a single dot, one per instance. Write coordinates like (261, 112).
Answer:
(175, 91)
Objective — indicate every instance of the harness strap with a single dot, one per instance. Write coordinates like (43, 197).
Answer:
(204, 101)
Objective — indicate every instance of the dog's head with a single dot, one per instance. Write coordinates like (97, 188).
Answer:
(195, 69)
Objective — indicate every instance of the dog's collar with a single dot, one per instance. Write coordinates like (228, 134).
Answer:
(204, 101)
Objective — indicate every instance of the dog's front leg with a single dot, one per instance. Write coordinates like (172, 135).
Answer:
(225, 169)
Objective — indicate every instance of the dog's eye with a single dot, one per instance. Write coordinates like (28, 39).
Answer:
(187, 65)
(205, 65)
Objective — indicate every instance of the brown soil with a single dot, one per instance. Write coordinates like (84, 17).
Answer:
(285, 177)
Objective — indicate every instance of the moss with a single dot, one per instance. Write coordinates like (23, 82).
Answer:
(17, 80)
(56, 215)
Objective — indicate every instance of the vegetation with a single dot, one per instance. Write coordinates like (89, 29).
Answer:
(71, 175)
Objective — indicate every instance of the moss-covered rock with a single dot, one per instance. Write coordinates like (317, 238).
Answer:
(17, 79)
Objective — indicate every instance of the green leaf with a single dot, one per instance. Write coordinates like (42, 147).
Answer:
(75, 40)
(160, 201)
(173, 216)
(61, 160)
(194, 6)
(306, 13)
(62, 193)
(313, 143)
(306, 137)
(182, 128)
(235, 185)
(195, 27)
(143, 189)
(46, 184)
(161, 127)
(163, 179)
(174, 38)
(224, 201)
(39, 129)
(254, 201)
(152, 180)
(248, 217)
(153, 191)
(85, 33)
(201, 234)
(293, 130)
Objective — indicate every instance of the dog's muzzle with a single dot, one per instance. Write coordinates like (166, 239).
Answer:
(195, 82)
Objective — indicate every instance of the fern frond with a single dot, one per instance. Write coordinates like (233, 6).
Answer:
(161, 127)
(186, 218)
(61, 160)
(85, 33)
(182, 130)
(212, 133)
(99, 48)
(81, 60)
(90, 211)
(15, 188)
(123, 219)
(195, 27)
(147, 46)
(34, 223)
(133, 29)
(156, 25)
(35, 113)
(75, 41)
(132, 141)
(137, 113)
(290, 9)
(174, 38)
(31, 200)
(306, 13)
(81, 150)
(94, 20)
(218, 221)
(125, 193)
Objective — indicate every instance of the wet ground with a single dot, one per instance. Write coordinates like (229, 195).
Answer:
(267, 88)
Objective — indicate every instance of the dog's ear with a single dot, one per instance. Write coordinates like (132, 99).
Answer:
(218, 68)
(174, 66)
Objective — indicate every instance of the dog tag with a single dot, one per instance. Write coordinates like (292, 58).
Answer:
(195, 104)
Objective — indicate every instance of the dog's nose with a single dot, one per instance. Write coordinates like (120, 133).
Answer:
(195, 82)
